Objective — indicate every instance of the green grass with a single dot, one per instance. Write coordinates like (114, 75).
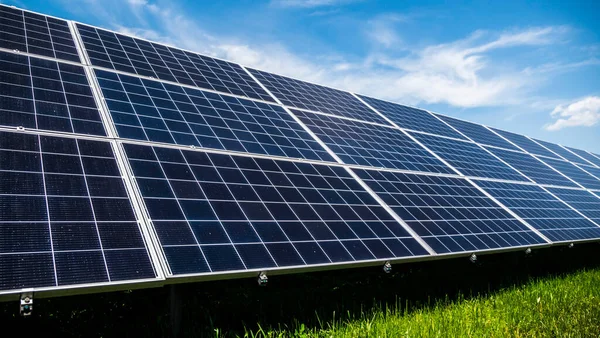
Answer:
(567, 306)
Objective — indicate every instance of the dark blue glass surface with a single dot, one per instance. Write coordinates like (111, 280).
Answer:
(450, 214)
(47, 95)
(120, 52)
(532, 168)
(469, 158)
(155, 111)
(64, 220)
(412, 118)
(239, 213)
(477, 133)
(541, 210)
(305, 95)
(36, 34)
(371, 145)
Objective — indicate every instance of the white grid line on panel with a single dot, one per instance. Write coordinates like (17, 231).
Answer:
(148, 233)
(360, 181)
(478, 187)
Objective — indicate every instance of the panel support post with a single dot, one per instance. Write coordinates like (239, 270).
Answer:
(175, 309)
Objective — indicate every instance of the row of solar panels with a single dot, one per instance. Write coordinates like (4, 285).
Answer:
(145, 162)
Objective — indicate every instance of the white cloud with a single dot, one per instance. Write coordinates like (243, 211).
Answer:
(311, 3)
(461, 73)
(584, 113)
(137, 2)
(383, 31)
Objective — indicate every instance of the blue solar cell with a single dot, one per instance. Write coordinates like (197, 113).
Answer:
(412, 118)
(541, 210)
(215, 212)
(532, 168)
(469, 158)
(594, 171)
(64, 214)
(48, 95)
(36, 34)
(562, 152)
(586, 155)
(526, 144)
(120, 52)
(371, 145)
(450, 214)
(154, 111)
(305, 95)
(573, 172)
(582, 200)
(477, 133)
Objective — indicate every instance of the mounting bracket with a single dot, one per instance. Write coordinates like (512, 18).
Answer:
(26, 304)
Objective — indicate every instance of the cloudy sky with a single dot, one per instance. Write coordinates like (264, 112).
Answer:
(532, 69)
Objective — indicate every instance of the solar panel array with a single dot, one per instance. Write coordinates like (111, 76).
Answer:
(140, 162)
(36, 34)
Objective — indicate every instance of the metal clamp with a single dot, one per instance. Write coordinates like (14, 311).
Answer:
(26, 304)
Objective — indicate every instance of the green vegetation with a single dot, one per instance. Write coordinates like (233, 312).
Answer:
(566, 306)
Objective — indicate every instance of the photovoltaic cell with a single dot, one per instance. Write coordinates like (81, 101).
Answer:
(65, 217)
(215, 212)
(305, 95)
(478, 133)
(526, 144)
(564, 153)
(120, 52)
(469, 158)
(48, 95)
(412, 118)
(371, 145)
(588, 156)
(574, 173)
(591, 170)
(450, 214)
(584, 201)
(532, 168)
(36, 34)
(541, 210)
(155, 111)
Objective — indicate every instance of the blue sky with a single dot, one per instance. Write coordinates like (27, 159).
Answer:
(529, 68)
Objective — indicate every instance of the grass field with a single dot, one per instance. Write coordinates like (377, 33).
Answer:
(566, 306)
(552, 293)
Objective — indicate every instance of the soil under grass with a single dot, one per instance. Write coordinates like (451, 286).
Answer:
(551, 293)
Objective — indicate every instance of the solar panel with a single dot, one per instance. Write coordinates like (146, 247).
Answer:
(541, 210)
(304, 95)
(564, 153)
(469, 158)
(477, 133)
(584, 201)
(36, 34)
(588, 156)
(450, 214)
(574, 173)
(120, 52)
(591, 170)
(412, 118)
(48, 95)
(154, 111)
(216, 212)
(65, 217)
(526, 144)
(371, 145)
(532, 168)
